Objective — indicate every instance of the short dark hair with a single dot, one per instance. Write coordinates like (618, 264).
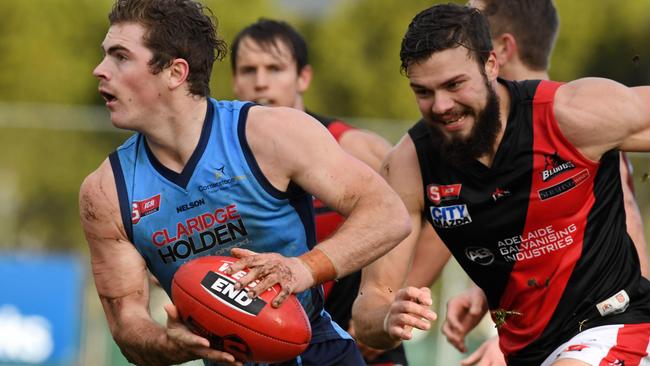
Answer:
(266, 33)
(176, 29)
(442, 27)
(534, 23)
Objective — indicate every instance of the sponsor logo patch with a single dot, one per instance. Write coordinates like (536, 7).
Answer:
(220, 172)
(223, 289)
(140, 209)
(213, 231)
(554, 165)
(482, 256)
(614, 305)
(190, 205)
(563, 186)
(500, 193)
(438, 193)
(224, 180)
(450, 216)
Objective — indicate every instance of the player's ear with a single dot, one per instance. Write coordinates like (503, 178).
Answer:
(178, 72)
(304, 78)
(505, 47)
(492, 66)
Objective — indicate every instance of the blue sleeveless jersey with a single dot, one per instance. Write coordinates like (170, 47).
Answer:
(221, 200)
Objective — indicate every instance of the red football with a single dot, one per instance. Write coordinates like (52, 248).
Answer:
(249, 329)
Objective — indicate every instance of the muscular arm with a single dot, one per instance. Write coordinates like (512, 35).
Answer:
(639, 139)
(381, 279)
(121, 280)
(305, 153)
(597, 115)
(365, 146)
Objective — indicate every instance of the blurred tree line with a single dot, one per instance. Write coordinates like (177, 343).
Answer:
(48, 49)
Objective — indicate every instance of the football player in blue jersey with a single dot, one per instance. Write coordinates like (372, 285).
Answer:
(154, 78)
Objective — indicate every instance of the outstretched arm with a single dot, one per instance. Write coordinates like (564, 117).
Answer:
(121, 279)
(383, 316)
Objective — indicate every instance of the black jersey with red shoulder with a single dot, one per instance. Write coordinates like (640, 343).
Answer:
(542, 231)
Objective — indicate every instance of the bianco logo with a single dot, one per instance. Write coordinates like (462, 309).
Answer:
(25, 339)
(450, 216)
(482, 256)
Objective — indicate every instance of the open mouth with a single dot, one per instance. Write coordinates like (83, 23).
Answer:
(108, 97)
(446, 123)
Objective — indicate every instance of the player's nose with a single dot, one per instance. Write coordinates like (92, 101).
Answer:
(261, 80)
(442, 104)
(101, 70)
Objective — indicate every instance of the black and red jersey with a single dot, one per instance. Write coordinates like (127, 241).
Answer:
(541, 231)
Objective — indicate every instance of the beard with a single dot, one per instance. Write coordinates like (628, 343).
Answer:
(460, 150)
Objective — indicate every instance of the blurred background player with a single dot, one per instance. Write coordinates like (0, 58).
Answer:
(523, 34)
(270, 67)
(204, 177)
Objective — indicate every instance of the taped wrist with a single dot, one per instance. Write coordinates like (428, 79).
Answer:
(321, 266)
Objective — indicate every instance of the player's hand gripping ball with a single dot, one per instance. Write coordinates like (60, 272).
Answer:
(249, 329)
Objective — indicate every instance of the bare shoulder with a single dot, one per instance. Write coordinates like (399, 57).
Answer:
(279, 121)
(286, 140)
(597, 114)
(588, 91)
(98, 202)
(580, 98)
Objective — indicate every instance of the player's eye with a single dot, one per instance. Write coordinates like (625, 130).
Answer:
(453, 85)
(247, 70)
(420, 92)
